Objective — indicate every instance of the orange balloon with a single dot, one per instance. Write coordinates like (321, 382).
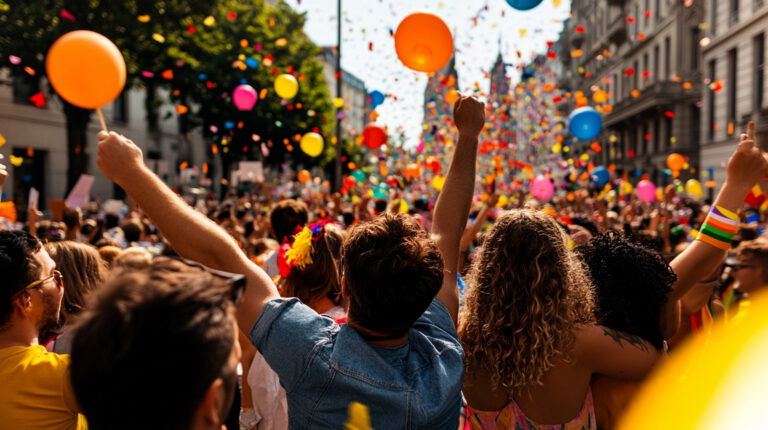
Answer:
(675, 162)
(304, 176)
(423, 42)
(86, 69)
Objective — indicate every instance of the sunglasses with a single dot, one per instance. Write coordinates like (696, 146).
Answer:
(56, 276)
(236, 281)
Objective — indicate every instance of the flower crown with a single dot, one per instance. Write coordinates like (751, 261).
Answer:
(298, 254)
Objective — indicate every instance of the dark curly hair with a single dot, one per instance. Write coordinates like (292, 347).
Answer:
(631, 283)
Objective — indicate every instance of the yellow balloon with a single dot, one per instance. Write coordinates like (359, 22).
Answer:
(693, 187)
(710, 382)
(312, 144)
(286, 86)
(503, 200)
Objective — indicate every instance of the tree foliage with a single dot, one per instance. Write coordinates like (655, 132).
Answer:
(29, 28)
(250, 42)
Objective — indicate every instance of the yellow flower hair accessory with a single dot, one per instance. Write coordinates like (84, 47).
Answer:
(300, 253)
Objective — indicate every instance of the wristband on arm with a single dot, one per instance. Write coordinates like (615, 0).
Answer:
(719, 227)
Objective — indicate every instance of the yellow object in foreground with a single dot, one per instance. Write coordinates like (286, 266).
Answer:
(711, 382)
(358, 417)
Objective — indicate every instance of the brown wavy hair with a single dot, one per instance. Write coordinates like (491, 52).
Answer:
(526, 294)
(321, 277)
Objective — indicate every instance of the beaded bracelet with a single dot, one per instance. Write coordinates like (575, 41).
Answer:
(719, 227)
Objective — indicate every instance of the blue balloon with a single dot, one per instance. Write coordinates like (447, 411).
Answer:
(585, 123)
(377, 98)
(600, 175)
(252, 62)
(524, 4)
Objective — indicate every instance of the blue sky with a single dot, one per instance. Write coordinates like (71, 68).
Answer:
(370, 21)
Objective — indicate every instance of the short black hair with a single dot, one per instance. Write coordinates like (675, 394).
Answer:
(150, 345)
(631, 285)
(111, 221)
(132, 230)
(286, 215)
(17, 267)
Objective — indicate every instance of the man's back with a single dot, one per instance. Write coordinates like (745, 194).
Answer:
(35, 390)
(413, 386)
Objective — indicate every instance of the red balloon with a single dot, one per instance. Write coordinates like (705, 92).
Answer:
(374, 136)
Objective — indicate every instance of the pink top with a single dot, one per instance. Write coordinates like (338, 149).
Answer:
(512, 417)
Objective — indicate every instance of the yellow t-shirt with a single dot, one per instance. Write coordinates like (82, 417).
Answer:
(35, 391)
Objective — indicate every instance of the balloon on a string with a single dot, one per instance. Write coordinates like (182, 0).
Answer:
(286, 86)
(312, 144)
(542, 188)
(86, 69)
(524, 4)
(359, 176)
(423, 42)
(377, 98)
(646, 191)
(600, 175)
(374, 136)
(675, 162)
(693, 187)
(303, 176)
(585, 123)
(244, 97)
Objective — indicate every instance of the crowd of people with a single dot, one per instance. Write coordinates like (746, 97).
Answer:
(282, 311)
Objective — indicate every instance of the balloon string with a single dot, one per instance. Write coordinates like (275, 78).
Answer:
(101, 119)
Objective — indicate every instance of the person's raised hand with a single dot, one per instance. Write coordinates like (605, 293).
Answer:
(748, 164)
(469, 115)
(118, 157)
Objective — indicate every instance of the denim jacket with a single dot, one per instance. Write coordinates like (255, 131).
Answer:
(324, 366)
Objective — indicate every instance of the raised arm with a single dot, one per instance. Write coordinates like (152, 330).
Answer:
(745, 168)
(190, 233)
(452, 207)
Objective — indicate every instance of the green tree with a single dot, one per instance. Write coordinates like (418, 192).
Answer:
(29, 28)
(250, 42)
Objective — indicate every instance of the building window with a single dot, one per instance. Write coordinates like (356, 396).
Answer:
(733, 15)
(713, 18)
(668, 132)
(615, 92)
(119, 112)
(637, 19)
(695, 126)
(695, 36)
(25, 87)
(667, 56)
(711, 105)
(758, 45)
(731, 88)
(758, 4)
(646, 81)
(657, 10)
(656, 63)
(644, 146)
(656, 126)
(647, 17)
(634, 77)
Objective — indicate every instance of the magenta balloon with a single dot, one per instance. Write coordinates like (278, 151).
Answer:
(646, 191)
(244, 97)
(542, 188)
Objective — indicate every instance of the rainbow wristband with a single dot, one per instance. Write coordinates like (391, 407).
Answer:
(719, 227)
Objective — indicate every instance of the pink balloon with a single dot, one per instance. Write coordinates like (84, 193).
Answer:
(646, 191)
(542, 188)
(244, 97)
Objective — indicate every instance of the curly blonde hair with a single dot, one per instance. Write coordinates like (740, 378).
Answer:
(526, 293)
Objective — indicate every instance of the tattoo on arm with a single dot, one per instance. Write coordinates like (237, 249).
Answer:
(631, 339)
